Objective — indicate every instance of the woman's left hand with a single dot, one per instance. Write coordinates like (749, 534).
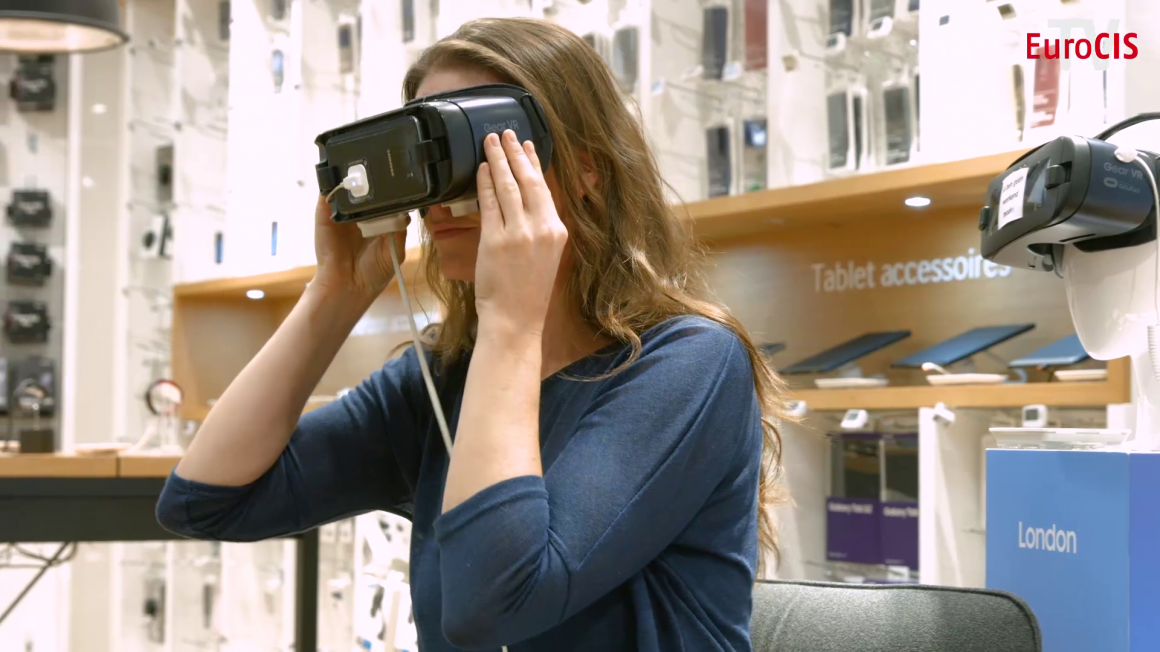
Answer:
(522, 238)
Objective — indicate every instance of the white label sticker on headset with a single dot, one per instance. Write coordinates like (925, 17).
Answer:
(1011, 197)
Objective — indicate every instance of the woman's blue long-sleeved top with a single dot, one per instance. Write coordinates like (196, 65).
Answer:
(641, 535)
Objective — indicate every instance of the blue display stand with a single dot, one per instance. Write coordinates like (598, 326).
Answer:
(1077, 535)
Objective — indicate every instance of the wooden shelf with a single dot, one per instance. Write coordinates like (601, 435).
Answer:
(284, 284)
(1088, 394)
(57, 465)
(217, 330)
(145, 466)
(954, 186)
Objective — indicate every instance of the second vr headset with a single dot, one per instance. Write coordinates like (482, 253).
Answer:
(1070, 191)
(423, 154)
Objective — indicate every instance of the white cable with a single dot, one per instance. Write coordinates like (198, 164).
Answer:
(1153, 334)
(422, 358)
(354, 181)
(419, 349)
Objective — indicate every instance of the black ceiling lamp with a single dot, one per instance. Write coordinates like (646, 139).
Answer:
(60, 26)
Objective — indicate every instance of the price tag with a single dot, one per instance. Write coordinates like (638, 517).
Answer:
(732, 71)
(1011, 197)
(658, 87)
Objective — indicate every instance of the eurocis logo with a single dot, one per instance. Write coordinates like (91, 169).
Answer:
(1100, 47)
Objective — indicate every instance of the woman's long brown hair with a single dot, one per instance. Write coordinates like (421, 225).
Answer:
(635, 260)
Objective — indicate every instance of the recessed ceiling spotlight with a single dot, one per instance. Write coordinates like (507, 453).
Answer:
(918, 202)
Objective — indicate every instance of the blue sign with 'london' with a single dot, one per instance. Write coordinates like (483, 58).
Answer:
(1074, 534)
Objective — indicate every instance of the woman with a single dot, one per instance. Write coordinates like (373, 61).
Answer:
(614, 448)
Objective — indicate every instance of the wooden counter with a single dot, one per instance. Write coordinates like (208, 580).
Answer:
(56, 465)
(60, 465)
(146, 466)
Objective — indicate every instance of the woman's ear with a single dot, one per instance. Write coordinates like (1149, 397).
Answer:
(588, 171)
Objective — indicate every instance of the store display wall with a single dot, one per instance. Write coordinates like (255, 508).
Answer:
(214, 153)
(34, 170)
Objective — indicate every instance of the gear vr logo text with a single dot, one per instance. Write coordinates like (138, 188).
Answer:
(497, 127)
(1098, 47)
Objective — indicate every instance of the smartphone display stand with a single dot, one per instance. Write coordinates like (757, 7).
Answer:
(754, 160)
(963, 347)
(714, 42)
(843, 357)
(408, 21)
(347, 48)
(871, 61)
(880, 19)
(224, 20)
(844, 16)
(896, 129)
(847, 124)
(756, 34)
(625, 57)
(719, 161)
(599, 43)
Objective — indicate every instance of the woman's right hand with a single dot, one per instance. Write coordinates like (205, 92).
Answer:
(252, 421)
(348, 262)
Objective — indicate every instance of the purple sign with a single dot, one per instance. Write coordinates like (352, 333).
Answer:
(853, 531)
(900, 534)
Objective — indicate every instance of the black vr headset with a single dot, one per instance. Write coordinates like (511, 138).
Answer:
(1071, 190)
(426, 153)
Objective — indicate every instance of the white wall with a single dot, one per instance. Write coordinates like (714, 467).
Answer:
(1142, 91)
(41, 621)
(801, 522)
(952, 536)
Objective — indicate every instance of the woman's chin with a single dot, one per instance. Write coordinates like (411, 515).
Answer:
(457, 268)
(457, 256)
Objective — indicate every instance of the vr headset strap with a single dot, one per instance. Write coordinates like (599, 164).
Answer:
(328, 177)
